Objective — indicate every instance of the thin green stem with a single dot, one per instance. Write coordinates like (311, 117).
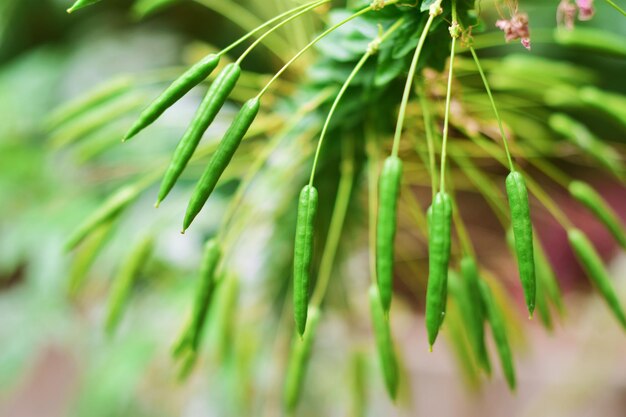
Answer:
(279, 25)
(310, 44)
(446, 119)
(495, 109)
(371, 50)
(430, 137)
(409, 82)
(337, 220)
(616, 7)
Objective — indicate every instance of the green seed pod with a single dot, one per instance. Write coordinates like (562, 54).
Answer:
(583, 138)
(303, 254)
(181, 86)
(358, 385)
(611, 103)
(220, 159)
(204, 292)
(498, 330)
(226, 309)
(79, 4)
(388, 191)
(594, 202)
(474, 312)
(86, 102)
(299, 361)
(593, 265)
(123, 283)
(439, 240)
(110, 209)
(523, 234)
(211, 104)
(549, 282)
(384, 343)
(96, 118)
(542, 305)
(86, 255)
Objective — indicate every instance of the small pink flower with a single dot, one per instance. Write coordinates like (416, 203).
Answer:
(516, 28)
(566, 14)
(585, 9)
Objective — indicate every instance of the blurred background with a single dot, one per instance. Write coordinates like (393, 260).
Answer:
(71, 85)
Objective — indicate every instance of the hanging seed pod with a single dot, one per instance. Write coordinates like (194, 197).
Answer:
(498, 329)
(474, 313)
(110, 209)
(389, 191)
(547, 278)
(384, 343)
(211, 104)
(123, 283)
(303, 254)
(80, 4)
(593, 265)
(299, 361)
(594, 202)
(220, 159)
(523, 234)
(181, 86)
(439, 240)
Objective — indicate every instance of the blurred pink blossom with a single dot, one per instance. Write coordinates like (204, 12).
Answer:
(516, 28)
(585, 9)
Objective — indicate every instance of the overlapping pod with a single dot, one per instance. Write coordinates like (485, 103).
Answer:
(594, 202)
(221, 158)
(593, 265)
(498, 329)
(107, 211)
(547, 278)
(86, 255)
(384, 342)
(211, 104)
(181, 86)
(439, 240)
(475, 312)
(303, 254)
(79, 4)
(299, 361)
(388, 191)
(123, 282)
(204, 292)
(523, 234)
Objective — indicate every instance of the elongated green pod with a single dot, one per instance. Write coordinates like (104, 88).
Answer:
(547, 280)
(110, 209)
(594, 202)
(523, 234)
(123, 282)
(86, 255)
(204, 292)
(358, 385)
(79, 4)
(181, 86)
(211, 104)
(384, 343)
(583, 138)
(303, 254)
(593, 265)
(498, 330)
(388, 191)
(226, 308)
(87, 101)
(299, 361)
(220, 159)
(474, 312)
(439, 240)
(611, 103)
(187, 365)
(543, 307)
